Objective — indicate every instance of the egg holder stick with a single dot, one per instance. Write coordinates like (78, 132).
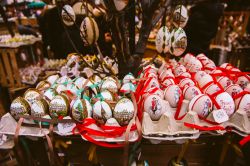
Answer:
(182, 152)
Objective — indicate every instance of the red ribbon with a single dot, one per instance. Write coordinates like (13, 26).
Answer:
(244, 140)
(204, 128)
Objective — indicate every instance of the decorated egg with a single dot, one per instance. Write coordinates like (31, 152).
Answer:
(150, 83)
(247, 88)
(72, 88)
(98, 12)
(199, 74)
(49, 94)
(79, 82)
(166, 74)
(31, 95)
(201, 55)
(226, 102)
(185, 74)
(63, 80)
(101, 112)
(81, 109)
(68, 15)
(179, 70)
(43, 85)
(243, 81)
(186, 82)
(212, 89)
(180, 16)
(154, 106)
(172, 95)
(155, 91)
(201, 104)
(224, 81)
(128, 78)
(107, 95)
(59, 106)
(124, 111)
(243, 103)
(196, 66)
(110, 85)
(162, 40)
(60, 88)
(52, 79)
(89, 31)
(19, 106)
(233, 89)
(96, 80)
(226, 66)
(190, 92)
(80, 9)
(127, 88)
(39, 108)
(178, 42)
(205, 80)
(168, 82)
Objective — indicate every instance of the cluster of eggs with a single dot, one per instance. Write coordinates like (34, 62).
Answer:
(103, 99)
(175, 41)
(198, 80)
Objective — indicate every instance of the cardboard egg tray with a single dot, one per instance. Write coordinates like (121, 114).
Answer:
(167, 128)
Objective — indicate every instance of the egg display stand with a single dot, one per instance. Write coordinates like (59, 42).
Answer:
(167, 128)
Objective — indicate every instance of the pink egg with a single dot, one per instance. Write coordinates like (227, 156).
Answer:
(224, 81)
(243, 103)
(201, 104)
(226, 102)
(205, 80)
(198, 75)
(233, 90)
(186, 82)
(172, 95)
(243, 81)
(211, 89)
(190, 92)
(154, 106)
(179, 69)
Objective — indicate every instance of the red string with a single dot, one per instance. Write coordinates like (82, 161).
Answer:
(244, 140)
(204, 128)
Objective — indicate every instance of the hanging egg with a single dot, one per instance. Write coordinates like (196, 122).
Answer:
(39, 108)
(226, 102)
(233, 89)
(31, 95)
(89, 31)
(162, 40)
(19, 106)
(81, 109)
(180, 16)
(190, 92)
(68, 15)
(59, 106)
(101, 112)
(124, 111)
(172, 95)
(178, 42)
(201, 104)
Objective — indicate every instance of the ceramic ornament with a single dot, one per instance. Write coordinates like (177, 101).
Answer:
(243, 81)
(102, 112)
(172, 95)
(186, 82)
(224, 81)
(19, 106)
(59, 106)
(162, 40)
(68, 15)
(243, 103)
(89, 31)
(180, 16)
(154, 106)
(190, 92)
(201, 104)
(179, 70)
(226, 102)
(198, 75)
(233, 90)
(39, 108)
(81, 109)
(178, 42)
(205, 80)
(124, 111)
(212, 89)
(31, 95)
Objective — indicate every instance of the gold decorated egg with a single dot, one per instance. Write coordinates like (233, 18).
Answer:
(31, 95)
(59, 106)
(19, 106)
(39, 108)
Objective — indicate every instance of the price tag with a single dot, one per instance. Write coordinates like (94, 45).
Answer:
(65, 127)
(220, 116)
